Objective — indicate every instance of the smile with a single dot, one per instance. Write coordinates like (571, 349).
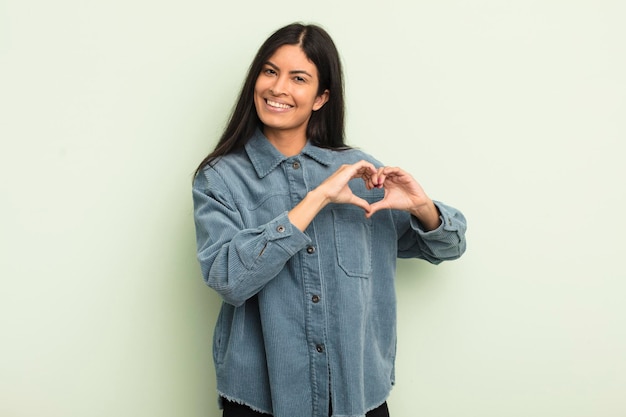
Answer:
(278, 105)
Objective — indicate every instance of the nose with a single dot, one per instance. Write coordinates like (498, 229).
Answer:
(279, 86)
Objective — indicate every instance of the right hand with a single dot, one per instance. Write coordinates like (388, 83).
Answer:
(336, 190)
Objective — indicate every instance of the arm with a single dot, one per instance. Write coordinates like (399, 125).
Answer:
(334, 189)
(434, 232)
(237, 261)
(446, 242)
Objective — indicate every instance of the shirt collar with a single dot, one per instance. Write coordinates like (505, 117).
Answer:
(265, 157)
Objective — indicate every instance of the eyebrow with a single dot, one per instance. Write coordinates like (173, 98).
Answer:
(290, 72)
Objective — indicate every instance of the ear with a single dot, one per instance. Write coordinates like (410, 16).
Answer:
(321, 100)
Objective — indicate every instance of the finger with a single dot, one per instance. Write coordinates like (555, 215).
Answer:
(368, 183)
(381, 176)
(392, 171)
(368, 173)
(365, 168)
(377, 206)
(374, 178)
(371, 181)
(359, 202)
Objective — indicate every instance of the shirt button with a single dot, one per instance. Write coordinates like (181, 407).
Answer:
(280, 229)
(319, 348)
(315, 299)
(296, 165)
(310, 249)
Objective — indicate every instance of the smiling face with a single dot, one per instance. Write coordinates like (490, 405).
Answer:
(285, 94)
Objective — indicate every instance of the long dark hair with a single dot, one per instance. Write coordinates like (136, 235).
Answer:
(326, 126)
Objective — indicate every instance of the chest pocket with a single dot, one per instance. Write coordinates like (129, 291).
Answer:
(353, 238)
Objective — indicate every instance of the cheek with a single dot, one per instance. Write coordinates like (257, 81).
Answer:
(257, 96)
(259, 87)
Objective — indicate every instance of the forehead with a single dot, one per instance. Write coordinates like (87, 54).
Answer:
(292, 58)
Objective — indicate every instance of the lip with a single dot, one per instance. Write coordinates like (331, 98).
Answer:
(277, 105)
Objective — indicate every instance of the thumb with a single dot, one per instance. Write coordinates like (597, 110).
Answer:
(359, 202)
(379, 205)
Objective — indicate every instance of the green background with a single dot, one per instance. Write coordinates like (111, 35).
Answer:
(512, 111)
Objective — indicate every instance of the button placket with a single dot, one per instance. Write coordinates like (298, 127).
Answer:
(315, 319)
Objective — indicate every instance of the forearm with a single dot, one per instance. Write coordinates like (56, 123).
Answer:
(334, 189)
(239, 268)
(446, 242)
(237, 257)
(306, 210)
(428, 215)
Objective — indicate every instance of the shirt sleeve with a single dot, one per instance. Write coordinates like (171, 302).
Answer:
(235, 260)
(447, 242)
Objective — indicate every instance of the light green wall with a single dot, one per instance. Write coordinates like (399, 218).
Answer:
(513, 111)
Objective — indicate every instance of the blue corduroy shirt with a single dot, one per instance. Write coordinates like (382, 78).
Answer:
(307, 317)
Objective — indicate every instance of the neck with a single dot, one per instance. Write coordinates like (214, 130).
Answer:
(287, 143)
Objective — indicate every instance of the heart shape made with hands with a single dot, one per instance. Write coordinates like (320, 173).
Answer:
(402, 192)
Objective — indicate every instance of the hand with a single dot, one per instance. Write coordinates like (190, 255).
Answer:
(403, 192)
(336, 190)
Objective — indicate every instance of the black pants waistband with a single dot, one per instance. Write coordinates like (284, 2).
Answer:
(232, 409)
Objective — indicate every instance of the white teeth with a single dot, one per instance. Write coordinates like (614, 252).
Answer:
(279, 105)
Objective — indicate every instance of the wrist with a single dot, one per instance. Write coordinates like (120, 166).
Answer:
(428, 215)
(317, 198)
(306, 210)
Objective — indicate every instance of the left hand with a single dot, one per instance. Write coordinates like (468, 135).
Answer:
(403, 192)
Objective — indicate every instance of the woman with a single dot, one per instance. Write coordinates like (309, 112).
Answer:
(303, 256)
